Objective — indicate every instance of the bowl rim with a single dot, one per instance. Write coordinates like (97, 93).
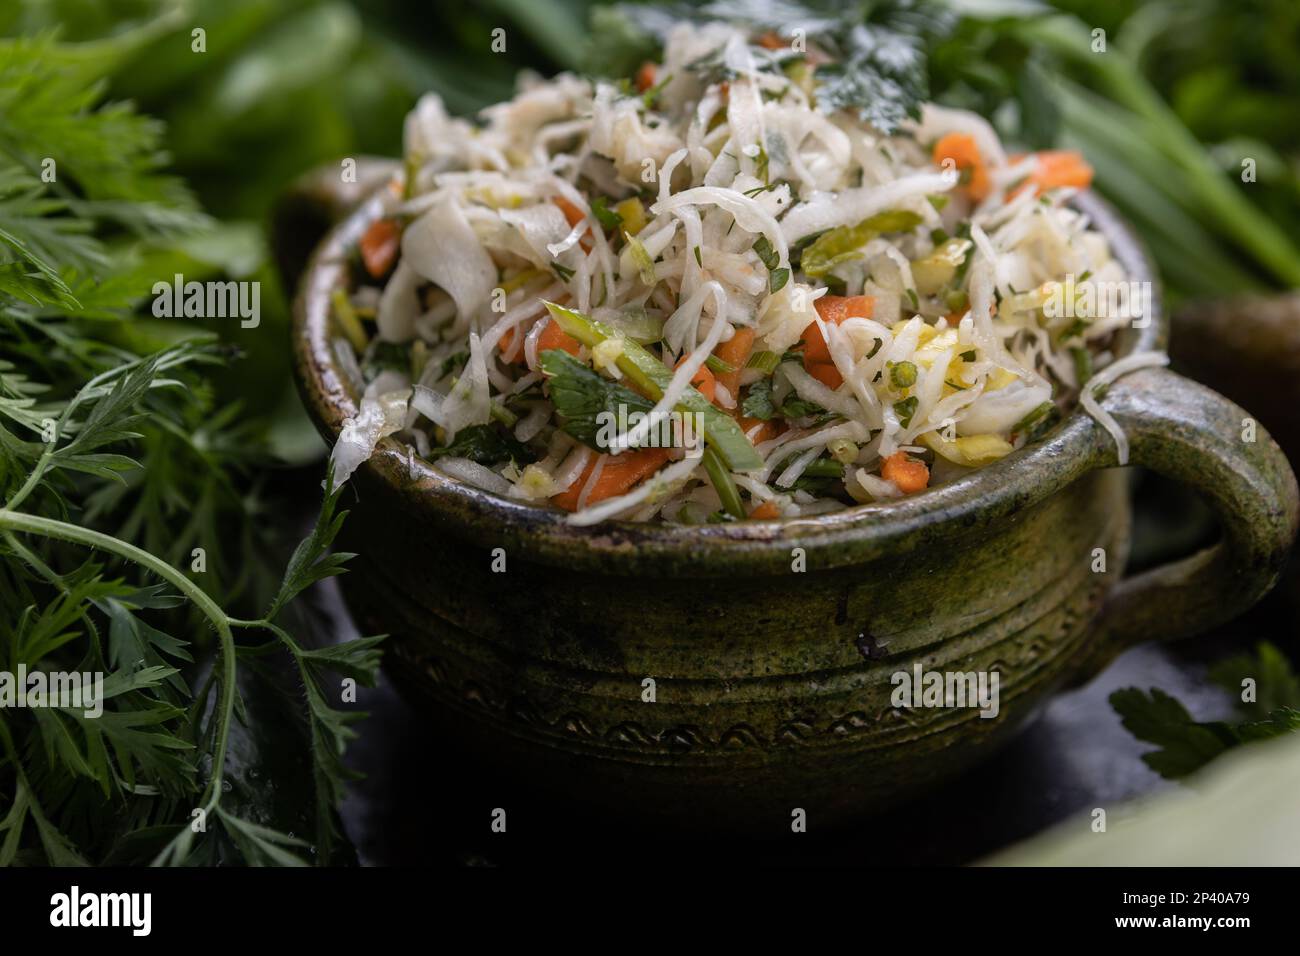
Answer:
(967, 504)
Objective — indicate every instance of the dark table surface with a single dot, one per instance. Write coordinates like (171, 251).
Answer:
(424, 803)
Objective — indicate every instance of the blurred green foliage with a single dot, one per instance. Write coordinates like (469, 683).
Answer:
(279, 87)
(284, 85)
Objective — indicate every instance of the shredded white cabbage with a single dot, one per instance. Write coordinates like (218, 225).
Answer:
(887, 311)
(1106, 376)
(379, 416)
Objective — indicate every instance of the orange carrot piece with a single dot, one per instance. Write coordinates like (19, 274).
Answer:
(551, 337)
(703, 380)
(1056, 168)
(909, 474)
(379, 245)
(645, 76)
(507, 342)
(766, 511)
(619, 474)
(961, 149)
(826, 373)
(832, 308)
(573, 215)
(554, 337)
(767, 432)
(735, 352)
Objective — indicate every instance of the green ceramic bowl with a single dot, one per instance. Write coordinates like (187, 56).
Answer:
(771, 686)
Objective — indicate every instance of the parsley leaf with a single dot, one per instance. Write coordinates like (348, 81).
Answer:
(758, 401)
(879, 65)
(485, 444)
(1186, 745)
(607, 217)
(583, 397)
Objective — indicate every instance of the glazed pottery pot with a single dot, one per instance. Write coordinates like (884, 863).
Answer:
(722, 676)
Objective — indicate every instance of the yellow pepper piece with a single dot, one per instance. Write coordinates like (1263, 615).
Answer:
(633, 215)
(999, 378)
(349, 324)
(925, 335)
(521, 279)
(969, 451)
(934, 345)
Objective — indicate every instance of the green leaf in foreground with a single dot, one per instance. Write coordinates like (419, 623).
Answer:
(1186, 745)
(583, 397)
(312, 560)
(651, 376)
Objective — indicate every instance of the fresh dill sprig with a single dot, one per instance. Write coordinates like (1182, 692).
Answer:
(120, 477)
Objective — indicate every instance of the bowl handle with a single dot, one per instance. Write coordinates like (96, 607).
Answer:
(1187, 432)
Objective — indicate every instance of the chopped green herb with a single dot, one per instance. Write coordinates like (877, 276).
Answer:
(777, 278)
(651, 376)
(1082, 364)
(650, 98)
(485, 444)
(1036, 416)
(452, 363)
(384, 356)
(583, 397)
(1073, 330)
(766, 254)
(796, 407)
(905, 409)
(759, 402)
(607, 217)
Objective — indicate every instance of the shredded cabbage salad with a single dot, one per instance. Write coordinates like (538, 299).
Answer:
(693, 296)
